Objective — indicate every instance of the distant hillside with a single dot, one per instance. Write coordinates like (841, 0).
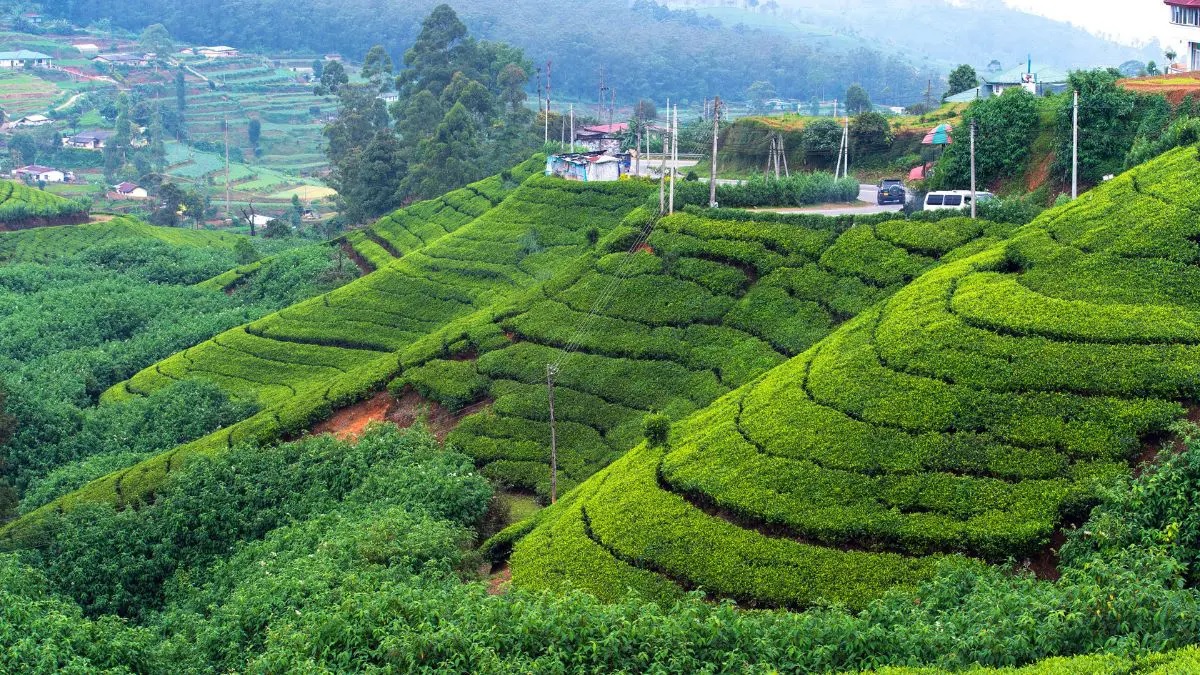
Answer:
(644, 49)
(974, 32)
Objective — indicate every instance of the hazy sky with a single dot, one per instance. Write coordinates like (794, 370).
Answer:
(1130, 21)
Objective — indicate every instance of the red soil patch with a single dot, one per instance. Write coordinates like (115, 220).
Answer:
(350, 422)
(499, 583)
(411, 407)
(1044, 565)
(363, 266)
(644, 248)
(1153, 448)
(1039, 174)
(1175, 87)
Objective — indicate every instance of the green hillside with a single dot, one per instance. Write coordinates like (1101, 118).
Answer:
(974, 412)
(297, 364)
(21, 206)
(47, 243)
(707, 304)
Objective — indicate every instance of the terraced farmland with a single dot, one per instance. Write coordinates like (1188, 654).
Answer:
(299, 363)
(972, 413)
(706, 305)
(46, 243)
(21, 205)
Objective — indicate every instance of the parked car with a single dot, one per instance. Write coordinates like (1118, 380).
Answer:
(953, 199)
(891, 191)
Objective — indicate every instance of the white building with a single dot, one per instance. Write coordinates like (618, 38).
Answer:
(1183, 35)
(33, 121)
(35, 173)
(25, 59)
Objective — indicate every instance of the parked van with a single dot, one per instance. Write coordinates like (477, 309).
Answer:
(953, 199)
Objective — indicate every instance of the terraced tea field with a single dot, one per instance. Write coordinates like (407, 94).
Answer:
(46, 243)
(972, 413)
(21, 205)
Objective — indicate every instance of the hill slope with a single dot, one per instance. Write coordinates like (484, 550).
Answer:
(973, 412)
(22, 206)
(47, 243)
(298, 363)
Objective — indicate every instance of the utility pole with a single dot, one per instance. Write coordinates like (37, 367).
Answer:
(225, 123)
(662, 172)
(1075, 147)
(783, 157)
(846, 134)
(612, 105)
(546, 124)
(973, 169)
(775, 152)
(674, 156)
(551, 371)
(712, 174)
(541, 101)
(837, 170)
(572, 127)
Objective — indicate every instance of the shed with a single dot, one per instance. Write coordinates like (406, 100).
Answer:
(130, 191)
(588, 167)
(602, 137)
(88, 140)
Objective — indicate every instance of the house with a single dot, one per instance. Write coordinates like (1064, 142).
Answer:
(588, 167)
(123, 59)
(32, 17)
(37, 173)
(87, 49)
(1183, 34)
(218, 52)
(33, 121)
(24, 58)
(88, 140)
(602, 137)
(130, 191)
(1037, 80)
(389, 97)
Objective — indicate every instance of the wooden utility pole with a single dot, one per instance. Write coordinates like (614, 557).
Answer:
(674, 157)
(775, 147)
(225, 123)
(837, 169)
(541, 100)
(972, 169)
(551, 372)
(547, 123)
(572, 139)
(712, 174)
(662, 172)
(1075, 146)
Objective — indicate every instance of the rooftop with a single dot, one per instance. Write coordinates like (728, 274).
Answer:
(23, 55)
(1041, 75)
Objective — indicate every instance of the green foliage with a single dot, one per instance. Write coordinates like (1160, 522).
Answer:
(1005, 125)
(21, 205)
(656, 427)
(961, 79)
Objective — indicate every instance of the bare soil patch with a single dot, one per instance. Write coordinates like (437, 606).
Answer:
(350, 422)
(411, 407)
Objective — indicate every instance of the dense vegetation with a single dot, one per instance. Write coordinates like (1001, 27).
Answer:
(323, 556)
(84, 307)
(975, 412)
(22, 205)
(681, 55)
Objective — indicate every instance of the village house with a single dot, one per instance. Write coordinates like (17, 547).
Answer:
(1035, 79)
(602, 137)
(218, 52)
(587, 167)
(36, 173)
(88, 140)
(1182, 34)
(123, 59)
(32, 17)
(33, 121)
(24, 58)
(128, 190)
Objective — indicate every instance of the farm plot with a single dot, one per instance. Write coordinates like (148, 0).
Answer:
(348, 338)
(704, 307)
(972, 413)
(21, 205)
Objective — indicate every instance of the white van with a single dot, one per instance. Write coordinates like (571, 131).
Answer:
(943, 200)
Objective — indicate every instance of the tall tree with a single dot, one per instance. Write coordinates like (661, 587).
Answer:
(157, 147)
(857, 100)
(512, 81)
(758, 93)
(377, 68)
(254, 132)
(156, 39)
(645, 110)
(333, 77)
(961, 79)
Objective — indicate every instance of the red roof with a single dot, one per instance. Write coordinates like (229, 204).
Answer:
(616, 128)
(1182, 3)
(126, 188)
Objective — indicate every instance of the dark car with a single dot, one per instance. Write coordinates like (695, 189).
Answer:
(891, 191)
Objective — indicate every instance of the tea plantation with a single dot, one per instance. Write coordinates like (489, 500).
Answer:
(705, 305)
(297, 364)
(974, 412)
(47, 243)
(21, 204)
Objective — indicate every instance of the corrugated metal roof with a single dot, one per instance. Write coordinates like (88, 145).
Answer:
(23, 55)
